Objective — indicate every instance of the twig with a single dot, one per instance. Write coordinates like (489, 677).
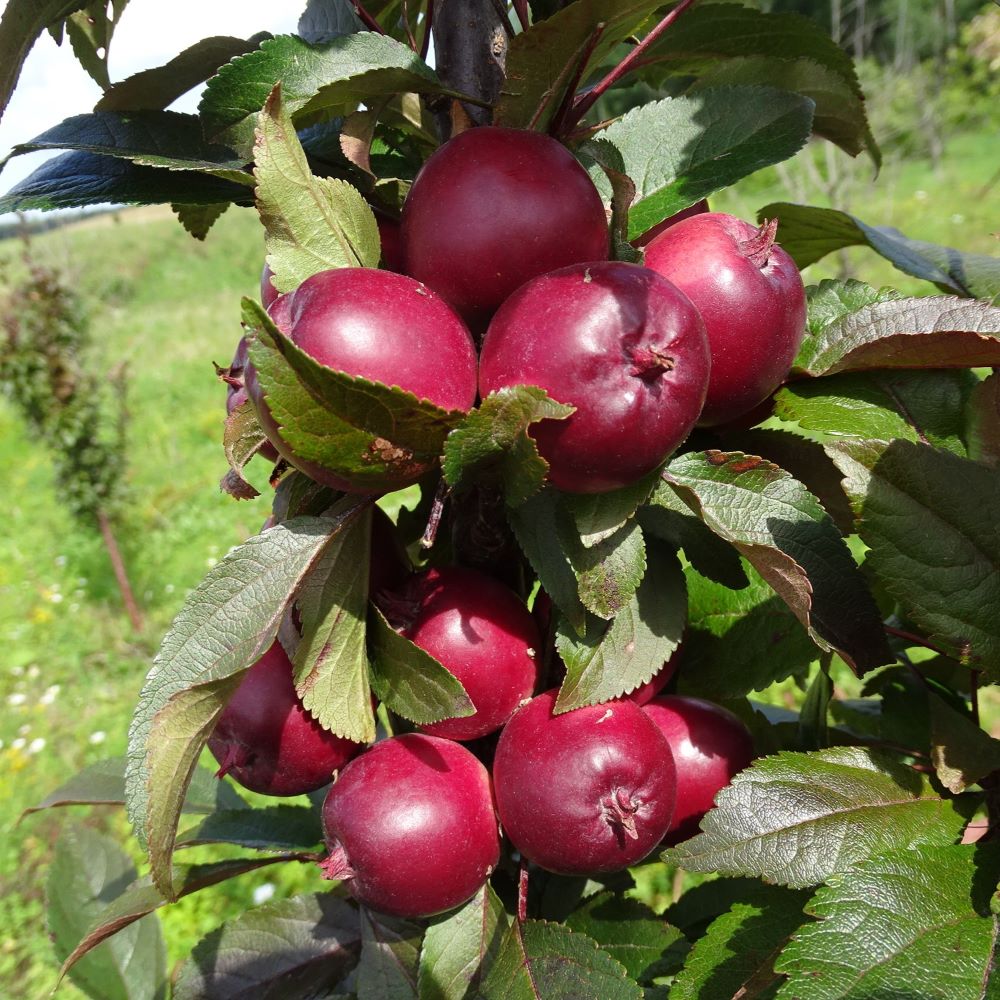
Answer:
(588, 100)
(566, 104)
(522, 891)
(521, 9)
(914, 640)
(366, 18)
(406, 24)
(425, 45)
(434, 521)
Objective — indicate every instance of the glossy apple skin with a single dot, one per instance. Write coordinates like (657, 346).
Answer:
(484, 634)
(268, 293)
(709, 745)
(495, 207)
(392, 243)
(581, 333)
(271, 743)
(564, 783)
(698, 208)
(380, 326)
(755, 315)
(411, 827)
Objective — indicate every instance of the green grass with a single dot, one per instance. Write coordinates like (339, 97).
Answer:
(70, 670)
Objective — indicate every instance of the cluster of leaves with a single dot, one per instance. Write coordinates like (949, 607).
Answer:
(860, 508)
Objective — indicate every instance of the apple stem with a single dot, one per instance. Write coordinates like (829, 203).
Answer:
(586, 101)
(649, 364)
(556, 126)
(619, 812)
(335, 865)
(757, 249)
(237, 755)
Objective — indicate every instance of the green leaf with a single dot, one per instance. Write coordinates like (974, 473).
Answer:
(921, 512)
(609, 572)
(225, 626)
(739, 641)
(331, 665)
(157, 88)
(165, 139)
(311, 224)
(22, 22)
(88, 870)
(909, 924)
(939, 331)
(459, 948)
(536, 526)
(302, 946)
(77, 179)
(613, 658)
(273, 828)
(324, 20)
(599, 515)
(961, 752)
(318, 82)
(813, 726)
(90, 31)
(832, 299)
(375, 435)
(791, 541)
(241, 440)
(541, 61)
(809, 234)
(142, 897)
(682, 149)
(198, 219)
(928, 406)
(736, 955)
(410, 681)
(390, 954)
(796, 819)
(543, 961)
(626, 929)
(983, 422)
(494, 440)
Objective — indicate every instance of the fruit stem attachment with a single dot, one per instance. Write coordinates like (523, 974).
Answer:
(566, 104)
(237, 755)
(619, 813)
(757, 249)
(335, 865)
(649, 364)
(522, 891)
(586, 101)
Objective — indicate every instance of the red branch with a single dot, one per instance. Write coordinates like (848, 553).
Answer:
(369, 22)
(566, 104)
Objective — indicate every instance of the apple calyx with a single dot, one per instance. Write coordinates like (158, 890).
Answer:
(649, 364)
(237, 755)
(335, 865)
(619, 812)
(757, 249)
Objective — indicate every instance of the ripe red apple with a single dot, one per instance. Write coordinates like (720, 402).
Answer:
(484, 634)
(380, 326)
(392, 243)
(750, 294)
(410, 826)
(267, 741)
(268, 293)
(709, 745)
(619, 343)
(698, 208)
(584, 792)
(495, 207)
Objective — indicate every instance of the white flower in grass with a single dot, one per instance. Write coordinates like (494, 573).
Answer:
(50, 695)
(36, 745)
(98, 737)
(263, 893)
(17, 698)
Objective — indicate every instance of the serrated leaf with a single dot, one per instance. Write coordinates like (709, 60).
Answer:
(832, 299)
(961, 752)
(928, 406)
(626, 929)
(609, 572)
(982, 432)
(272, 828)
(303, 946)
(77, 179)
(311, 224)
(157, 88)
(330, 662)
(242, 438)
(225, 626)
(459, 949)
(600, 515)
(791, 541)
(939, 331)
(882, 933)
(739, 641)
(198, 219)
(90, 31)
(921, 512)
(318, 82)
(371, 433)
(682, 149)
(536, 526)
(613, 658)
(297, 495)
(541, 61)
(390, 954)
(88, 871)
(735, 957)
(494, 439)
(809, 234)
(543, 961)
(410, 681)
(164, 139)
(142, 898)
(796, 819)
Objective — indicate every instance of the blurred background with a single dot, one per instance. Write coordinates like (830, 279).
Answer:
(134, 312)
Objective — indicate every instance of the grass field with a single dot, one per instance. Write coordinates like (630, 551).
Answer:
(167, 307)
